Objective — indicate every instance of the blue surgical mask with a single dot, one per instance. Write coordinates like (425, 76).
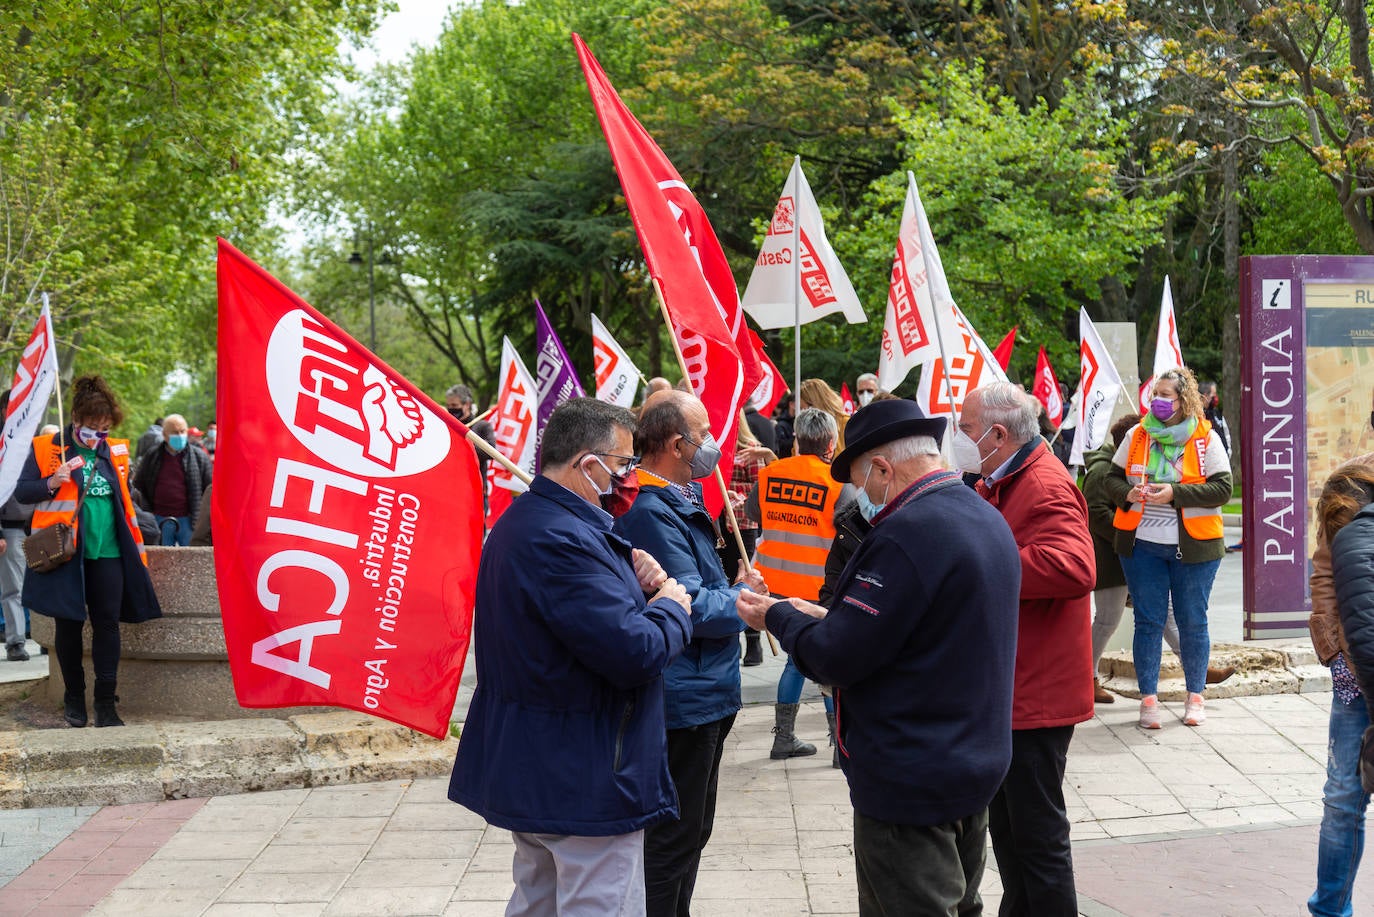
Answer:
(867, 508)
(177, 441)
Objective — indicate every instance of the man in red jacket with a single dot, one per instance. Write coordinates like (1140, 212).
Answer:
(998, 438)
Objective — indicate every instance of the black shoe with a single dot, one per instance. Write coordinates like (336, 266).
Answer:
(74, 711)
(105, 714)
(15, 652)
(753, 650)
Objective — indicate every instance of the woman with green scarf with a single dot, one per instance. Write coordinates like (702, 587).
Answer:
(1169, 480)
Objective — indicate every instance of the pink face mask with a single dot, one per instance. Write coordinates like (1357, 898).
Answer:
(1162, 408)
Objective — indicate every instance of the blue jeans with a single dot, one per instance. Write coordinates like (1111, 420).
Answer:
(176, 530)
(1341, 841)
(1154, 572)
(790, 684)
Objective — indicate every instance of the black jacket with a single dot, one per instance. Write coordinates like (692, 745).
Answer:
(1352, 571)
(194, 461)
(850, 529)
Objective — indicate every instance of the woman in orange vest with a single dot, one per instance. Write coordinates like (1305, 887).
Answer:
(1169, 480)
(107, 581)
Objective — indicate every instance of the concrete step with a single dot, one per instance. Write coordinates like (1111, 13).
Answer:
(1285, 668)
(156, 761)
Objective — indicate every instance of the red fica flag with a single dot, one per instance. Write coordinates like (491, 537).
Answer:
(846, 399)
(682, 252)
(1046, 389)
(347, 516)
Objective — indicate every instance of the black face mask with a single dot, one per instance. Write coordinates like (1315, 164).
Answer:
(463, 416)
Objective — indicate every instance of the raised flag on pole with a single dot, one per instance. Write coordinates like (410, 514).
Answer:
(1002, 352)
(846, 398)
(770, 389)
(1046, 389)
(770, 297)
(347, 514)
(34, 379)
(682, 253)
(1168, 351)
(909, 335)
(514, 422)
(553, 373)
(1098, 390)
(617, 377)
(964, 365)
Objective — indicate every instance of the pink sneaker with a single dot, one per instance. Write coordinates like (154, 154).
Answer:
(1149, 712)
(1193, 712)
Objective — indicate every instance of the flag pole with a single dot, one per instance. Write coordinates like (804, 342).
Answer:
(720, 479)
(796, 286)
(481, 445)
(57, 383)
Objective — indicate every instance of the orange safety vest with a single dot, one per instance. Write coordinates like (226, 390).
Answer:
(63, 503)
(797, 498)
(1202, 523)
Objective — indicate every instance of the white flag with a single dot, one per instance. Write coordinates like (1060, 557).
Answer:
(968, 361)
(617, 378)
(1168, 351)
(514, 420)
(771, 296)
(1099, 388)
(33, 384)
(918, 283)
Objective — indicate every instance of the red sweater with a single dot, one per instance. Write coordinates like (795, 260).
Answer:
(1049, 518)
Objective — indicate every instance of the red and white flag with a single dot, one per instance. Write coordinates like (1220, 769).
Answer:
(682, 253)
(617, 377)
(1098, 390)
(967, 361)
(347, 514)
(515, 423)
(846, 398)
(1046, 389)
(34, 379)
(909, 336)
(772, 386)
(780, 275)
(1168, 351)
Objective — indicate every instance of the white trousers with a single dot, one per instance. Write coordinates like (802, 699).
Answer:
(564, 874)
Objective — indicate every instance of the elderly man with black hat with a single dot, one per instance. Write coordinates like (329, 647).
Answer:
(920, 643)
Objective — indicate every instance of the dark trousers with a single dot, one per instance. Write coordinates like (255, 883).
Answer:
(920, 869)
(1030, 829)
(672, 849)
(104, 596)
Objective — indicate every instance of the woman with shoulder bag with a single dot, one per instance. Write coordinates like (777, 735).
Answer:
(106, 580)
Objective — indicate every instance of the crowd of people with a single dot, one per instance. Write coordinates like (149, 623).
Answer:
(884, 574)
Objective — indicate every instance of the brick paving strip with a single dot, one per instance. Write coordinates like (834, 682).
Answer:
(95, 858)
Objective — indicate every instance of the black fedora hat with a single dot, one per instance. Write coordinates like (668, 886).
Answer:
(879, 423)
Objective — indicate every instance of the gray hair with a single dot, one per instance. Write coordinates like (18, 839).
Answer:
(906, 449)
(868, 377)
(815, 430)
(1008, 404)
(460, 392)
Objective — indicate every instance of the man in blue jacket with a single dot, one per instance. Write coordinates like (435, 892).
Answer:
(701, 688)
(564, 740)
(920, 644)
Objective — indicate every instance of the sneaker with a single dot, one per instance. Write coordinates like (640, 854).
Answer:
(15, 652)
(1193, 712)
(1149, 712)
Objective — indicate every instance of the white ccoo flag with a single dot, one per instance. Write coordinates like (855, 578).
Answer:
(617, 378)
(966, 364)
(918, 284)
(1168, 351)
(771, 298)
(34, 379)
(514, 420)
(1099, 388)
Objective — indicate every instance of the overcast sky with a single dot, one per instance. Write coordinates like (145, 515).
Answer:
(416, 21)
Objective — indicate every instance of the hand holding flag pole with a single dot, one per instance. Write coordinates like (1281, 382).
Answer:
(720, 478)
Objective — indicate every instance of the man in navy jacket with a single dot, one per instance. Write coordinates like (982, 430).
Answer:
(564, 742)
(919, 642)
(702, 686)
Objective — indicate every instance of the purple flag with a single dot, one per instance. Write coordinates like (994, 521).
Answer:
(553, 375)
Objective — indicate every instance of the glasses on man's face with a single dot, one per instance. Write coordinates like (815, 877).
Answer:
(631, 461)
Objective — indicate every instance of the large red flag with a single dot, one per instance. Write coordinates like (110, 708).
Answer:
(1046, 389)
(681, 251)
(347, 516)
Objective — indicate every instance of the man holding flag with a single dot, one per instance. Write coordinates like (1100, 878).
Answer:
(564, 741)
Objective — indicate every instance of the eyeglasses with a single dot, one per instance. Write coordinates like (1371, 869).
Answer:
(631, 461)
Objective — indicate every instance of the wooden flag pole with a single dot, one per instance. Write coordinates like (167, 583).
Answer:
(481, 445)
(720, 479)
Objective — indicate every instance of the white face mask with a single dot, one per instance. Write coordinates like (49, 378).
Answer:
(865, 397)
(610, 485)
(967, 458)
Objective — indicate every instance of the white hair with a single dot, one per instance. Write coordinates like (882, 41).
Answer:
(1006, 403)
(866, 376)
(906, 449)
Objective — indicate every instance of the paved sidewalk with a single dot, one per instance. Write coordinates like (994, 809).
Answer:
(1217, 820)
